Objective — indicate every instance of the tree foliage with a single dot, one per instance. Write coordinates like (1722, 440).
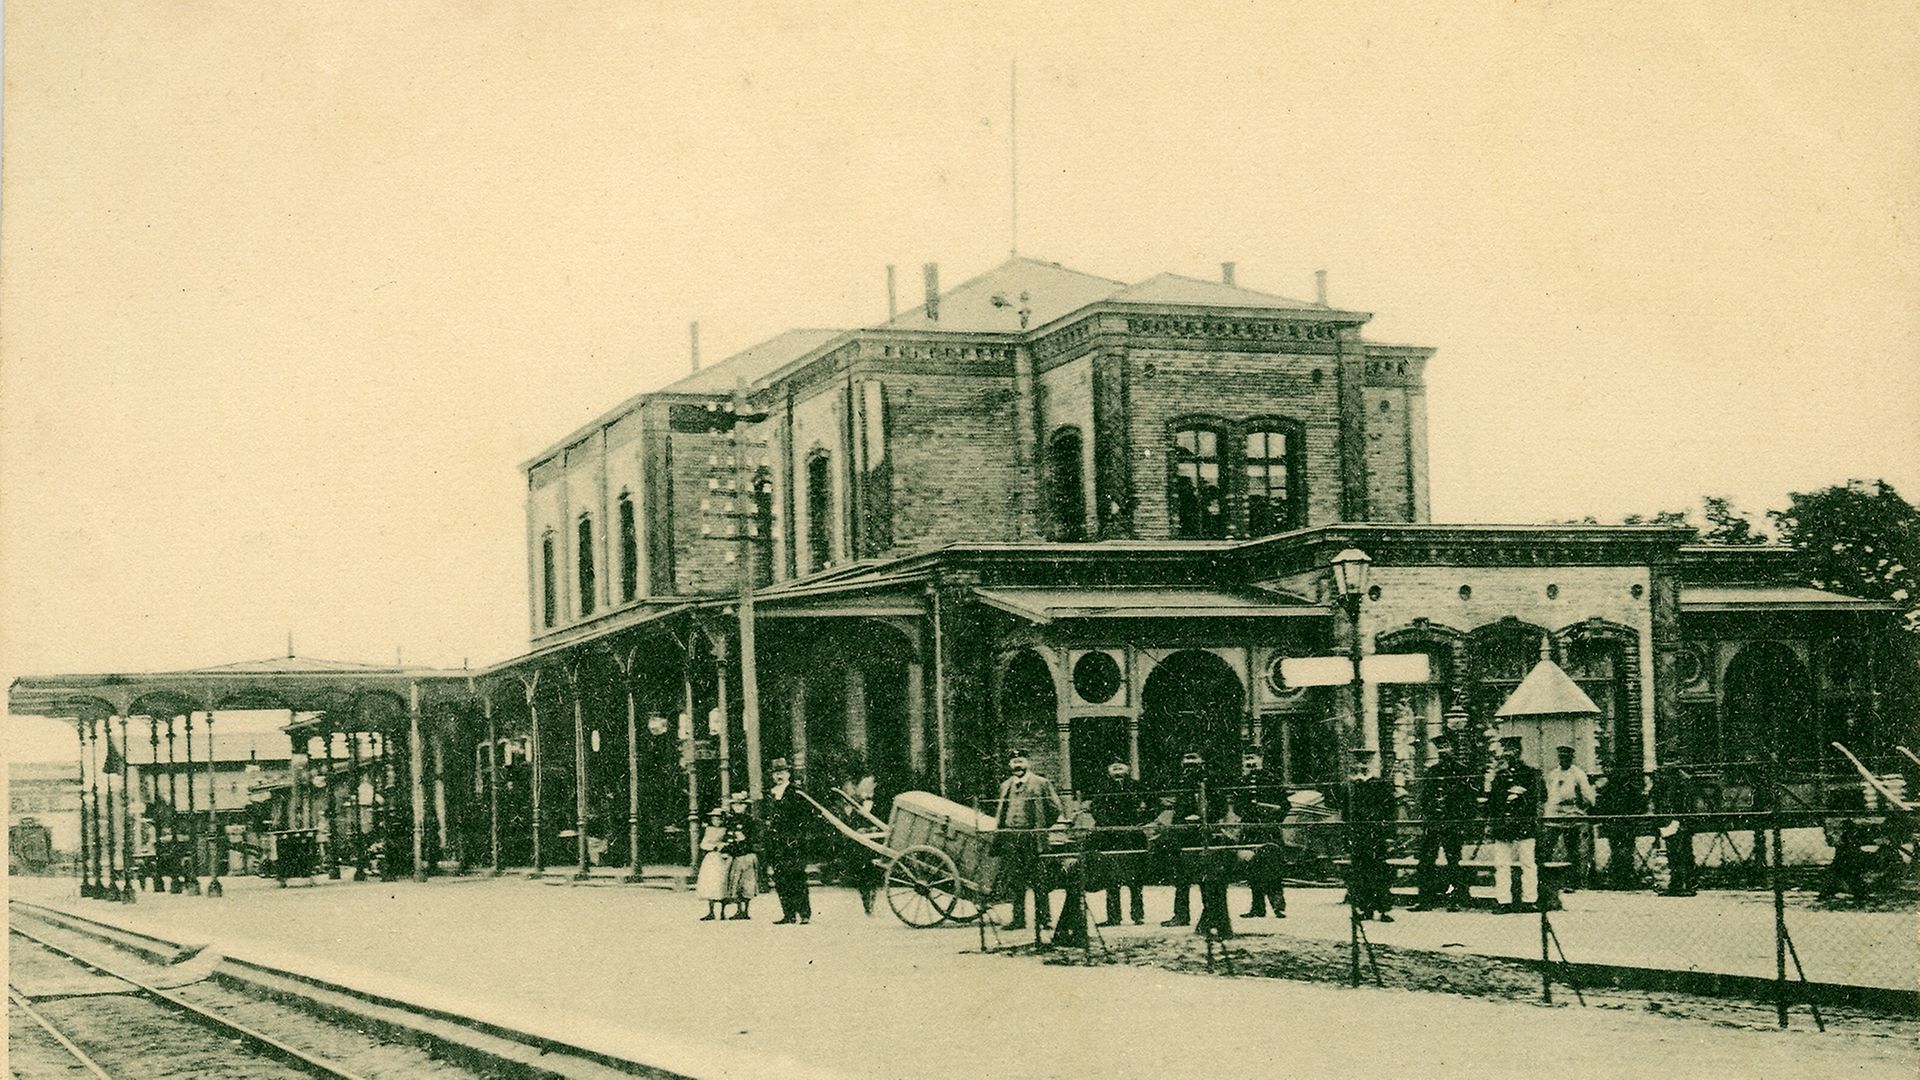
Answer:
(1860, 538)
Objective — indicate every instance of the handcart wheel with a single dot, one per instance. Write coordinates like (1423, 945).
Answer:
(922, 886)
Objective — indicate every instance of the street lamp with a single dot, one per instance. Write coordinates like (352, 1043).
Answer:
(1350, 584)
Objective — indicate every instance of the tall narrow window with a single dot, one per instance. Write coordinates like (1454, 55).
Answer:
(1199, 508)
(1270, 507)
(819, 510)
(760, 526)
(549, 587)
(586, 565)
(629, 550)
(1069, 488)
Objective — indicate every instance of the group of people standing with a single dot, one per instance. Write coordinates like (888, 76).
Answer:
(730, 871)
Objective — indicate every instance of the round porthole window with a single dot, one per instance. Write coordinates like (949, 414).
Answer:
(1688, 667)
(1277, 681)
(1466, 592)
(1096, 678)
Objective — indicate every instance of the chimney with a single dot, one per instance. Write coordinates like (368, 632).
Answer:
(932, 274)
(1320, 287)
(693, 344)
(1226, 273)
(893, 301)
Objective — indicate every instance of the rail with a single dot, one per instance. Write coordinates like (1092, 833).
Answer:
(271, 1046)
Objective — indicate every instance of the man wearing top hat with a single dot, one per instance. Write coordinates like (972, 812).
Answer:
(1449, 803)
(788, 818)
(1514, 797)
(1119, 808)
(1028, 805)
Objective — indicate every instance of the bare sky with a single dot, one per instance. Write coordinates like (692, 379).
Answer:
(290, 290)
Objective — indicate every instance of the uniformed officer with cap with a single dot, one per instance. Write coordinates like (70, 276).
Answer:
(1449, 802)
(1186, 816)
(1514, 797)
(1262, 801)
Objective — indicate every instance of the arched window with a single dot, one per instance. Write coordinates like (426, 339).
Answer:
(1270, 471)
(1198, 503)
(629, 550)
(819, 510)
(586, 565)
(549, 587)
(1069, 487)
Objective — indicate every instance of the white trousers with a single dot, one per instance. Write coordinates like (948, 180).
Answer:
(1507, 853)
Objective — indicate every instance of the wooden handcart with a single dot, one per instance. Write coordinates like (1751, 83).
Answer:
(936, 855)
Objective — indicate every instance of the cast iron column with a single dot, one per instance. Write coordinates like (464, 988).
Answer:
(193, 813)
(214, 854)
(86, 848)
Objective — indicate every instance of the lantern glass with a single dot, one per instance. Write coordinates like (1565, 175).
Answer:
(1350, 571)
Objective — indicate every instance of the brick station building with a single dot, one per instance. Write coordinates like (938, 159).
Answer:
(1055, 511)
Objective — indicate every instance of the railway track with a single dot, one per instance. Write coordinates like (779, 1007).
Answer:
(78, 1008)
(114, 1025)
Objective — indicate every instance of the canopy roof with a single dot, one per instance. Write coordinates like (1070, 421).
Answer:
(1547, 691)
(1773, 598)
(1047, 605)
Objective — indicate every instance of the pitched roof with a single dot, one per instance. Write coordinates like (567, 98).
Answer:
(1051, 290)
(285, 664)
(1180, 289)
(753, 363)
(1547, 691)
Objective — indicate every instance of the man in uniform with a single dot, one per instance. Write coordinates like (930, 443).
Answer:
(1261, 801)
(1368, 811)
(1182, 832)
(788, 819)
(1029, 804)
(1514, 798)
(1449, 800)
(1119, 803)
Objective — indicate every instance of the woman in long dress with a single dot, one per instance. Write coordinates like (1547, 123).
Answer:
(711, 884)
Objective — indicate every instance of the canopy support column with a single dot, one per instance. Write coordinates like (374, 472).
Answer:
(332, 807)
(581, 872)
(493, 784)
(193, 816)
(416, 783)
(214, 855)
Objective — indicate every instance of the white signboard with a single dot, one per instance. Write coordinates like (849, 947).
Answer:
(1338, 670)
(1300, 671)
(1395, 668)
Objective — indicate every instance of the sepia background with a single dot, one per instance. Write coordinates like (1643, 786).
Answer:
(288, 292)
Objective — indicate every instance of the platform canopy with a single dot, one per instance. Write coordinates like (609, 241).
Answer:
(1049, 605)
(295, 683)
(1773, 598)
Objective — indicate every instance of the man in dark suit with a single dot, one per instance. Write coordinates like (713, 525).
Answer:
(788, 819)
(1515, 796)
(1119, 803)
(1261, 801)
(1449, 804)
(1029, 804)
(1367, 808)
(1181, 832)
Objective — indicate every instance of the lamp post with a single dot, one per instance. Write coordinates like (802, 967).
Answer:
(1350, 584)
